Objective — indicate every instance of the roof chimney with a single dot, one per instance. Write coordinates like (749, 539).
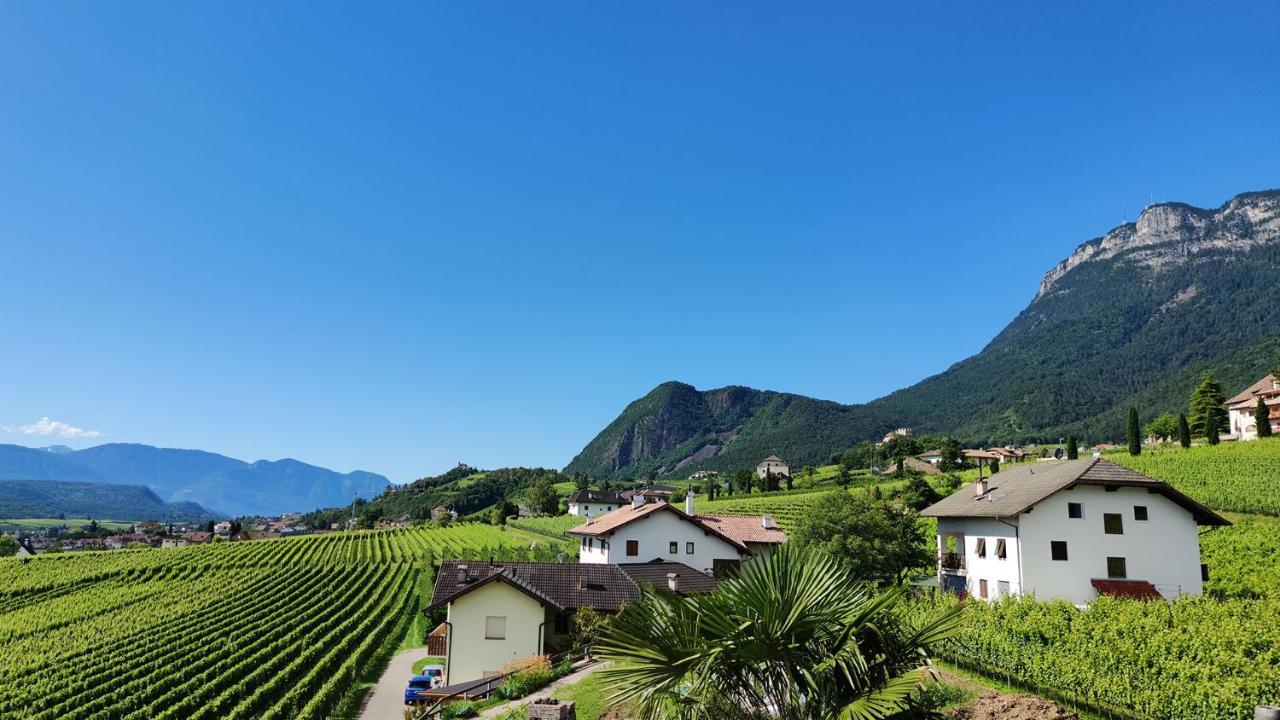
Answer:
(766, 522)
(637, 499)
(673, 582)
(688, 502)
(980, 488)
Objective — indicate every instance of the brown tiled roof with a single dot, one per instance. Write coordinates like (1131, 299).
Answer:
(564, 586)
(597, 496)
(745, 528)
(615, 519)
(1015, 490)
(911, 463)
(1132, 589)
(771, 458)
(1262, 387)
(978, 454)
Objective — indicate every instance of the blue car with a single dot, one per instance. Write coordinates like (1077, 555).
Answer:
(416, 692)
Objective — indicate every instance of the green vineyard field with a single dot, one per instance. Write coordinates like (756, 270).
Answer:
(270, 629)
(1240, 477)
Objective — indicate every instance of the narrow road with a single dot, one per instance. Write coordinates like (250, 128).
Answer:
(386, 702)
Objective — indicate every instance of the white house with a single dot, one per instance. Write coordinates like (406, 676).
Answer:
(772, 464)
(642, 531)
(1241, 408)
(933, 457)
(499, 612)
(594, 503)
(1071, 530)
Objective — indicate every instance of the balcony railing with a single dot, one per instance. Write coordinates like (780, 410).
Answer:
(951, 561)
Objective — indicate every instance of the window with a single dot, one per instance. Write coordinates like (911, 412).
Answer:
(1111, 488)
(1115, 568)
(1002, 588)
(562, 623)
(1000, 549)
(1075, 510)
(633, 548)
(688, 548)
(584, 543)
(495, 627)
(1112, 524)
(982, 589)
(1058, 549)
(591, 542)
(980, 548)
(1140, 512)
(673, 547)
(586, 508)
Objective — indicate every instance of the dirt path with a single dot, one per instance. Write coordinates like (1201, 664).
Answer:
(386, 702)
(571, 678)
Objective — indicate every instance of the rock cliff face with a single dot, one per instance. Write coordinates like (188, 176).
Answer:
(1132, 317)
(1170, 233)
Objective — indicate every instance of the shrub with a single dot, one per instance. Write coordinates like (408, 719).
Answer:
(460, 709)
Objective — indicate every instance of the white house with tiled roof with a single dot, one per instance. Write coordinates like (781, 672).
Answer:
(1241, 408)
(772, 464)
(1070, 530)
(642, 532)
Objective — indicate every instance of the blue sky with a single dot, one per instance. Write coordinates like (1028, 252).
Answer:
(393, 237)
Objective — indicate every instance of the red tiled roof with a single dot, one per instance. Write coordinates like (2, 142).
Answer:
(1132, 589)
(745, 528)
(1262, 387)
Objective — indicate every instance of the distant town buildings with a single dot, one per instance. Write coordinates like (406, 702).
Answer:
(594, 503)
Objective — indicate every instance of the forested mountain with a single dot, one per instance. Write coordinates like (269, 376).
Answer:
(215, 481)
(1132, 317)
(99, 501)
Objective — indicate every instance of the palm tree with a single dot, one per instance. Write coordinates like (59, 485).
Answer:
(792, 637)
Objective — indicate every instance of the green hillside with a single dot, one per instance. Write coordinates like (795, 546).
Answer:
(1243, 477)
(49, 499)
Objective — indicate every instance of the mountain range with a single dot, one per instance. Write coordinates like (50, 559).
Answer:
(216, 482)
(99, 501)
(1133, 317)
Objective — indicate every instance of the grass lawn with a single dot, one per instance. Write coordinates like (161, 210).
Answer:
(432, 660)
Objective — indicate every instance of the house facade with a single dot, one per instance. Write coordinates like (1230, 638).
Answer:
(594, 503)
(499, 612)
(1241, 408)
(642, 532)
(1072, 530)
(772, 464)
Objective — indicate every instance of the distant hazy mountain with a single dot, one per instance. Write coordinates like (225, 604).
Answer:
(1133, 317)
(95, 501)
(214, 481)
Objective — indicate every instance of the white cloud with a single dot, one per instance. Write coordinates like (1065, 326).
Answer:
(46, 427)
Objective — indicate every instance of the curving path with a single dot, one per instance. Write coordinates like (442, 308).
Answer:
(386, 702)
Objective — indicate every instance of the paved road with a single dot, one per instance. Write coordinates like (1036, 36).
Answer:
(387, 700)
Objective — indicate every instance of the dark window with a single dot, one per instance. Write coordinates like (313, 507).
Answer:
(688, 548)
(1112, 524)
(722, 569)
(1140, 512)
(633, 548)
(1204, 572)
(1000, 549)
(982, 588)
(1115, 568)
(1111, 488)
(591, 542)
(562, 623)
(981, 547)
(1075, 510)
(673, 547)
(1058, 549)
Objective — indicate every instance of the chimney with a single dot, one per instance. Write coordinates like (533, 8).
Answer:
(688, 502)
(766, 522)
(980, 488)
(673, 582)
(637, 500)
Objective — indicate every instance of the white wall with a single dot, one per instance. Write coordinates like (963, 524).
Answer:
(471, 656)
(1164, 550)
(591, 509)
(777, 468)
(594, 550)
(654, 533)
(990, 568)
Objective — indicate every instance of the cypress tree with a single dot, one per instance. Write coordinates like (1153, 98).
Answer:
(1134, 432)
(1262, 416)
(1211, 429)
(1184, 431)
(1073, 449)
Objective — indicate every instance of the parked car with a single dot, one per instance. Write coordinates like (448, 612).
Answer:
(416, 691)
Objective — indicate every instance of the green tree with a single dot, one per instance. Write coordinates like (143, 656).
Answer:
(744, 477)
(1163, 427)
(919, 494)
(1262, 417)
(874, 540)
(793, 636)
(1211, 430)
(898, 449)
(581, 482)
(1133, 432)
(842, 479)
(541, 496)
(994, 465)
(1208, 401)
(8, 546)
(1073, 448)
(952, 455)
(1184, 431)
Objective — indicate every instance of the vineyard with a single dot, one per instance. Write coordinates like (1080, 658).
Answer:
(271, 629)
(1185, 660)
(1238, 476)
(787, 507)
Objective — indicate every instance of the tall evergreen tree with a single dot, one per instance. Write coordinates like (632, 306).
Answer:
(1211, 429)
(1262, 416)
(1073, 448)
(1184, 431)
(1207, 400)
(1134, 432)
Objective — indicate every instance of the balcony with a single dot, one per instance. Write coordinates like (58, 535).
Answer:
(950, 562)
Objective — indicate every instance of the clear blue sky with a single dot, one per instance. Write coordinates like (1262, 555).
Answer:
(393, 237)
